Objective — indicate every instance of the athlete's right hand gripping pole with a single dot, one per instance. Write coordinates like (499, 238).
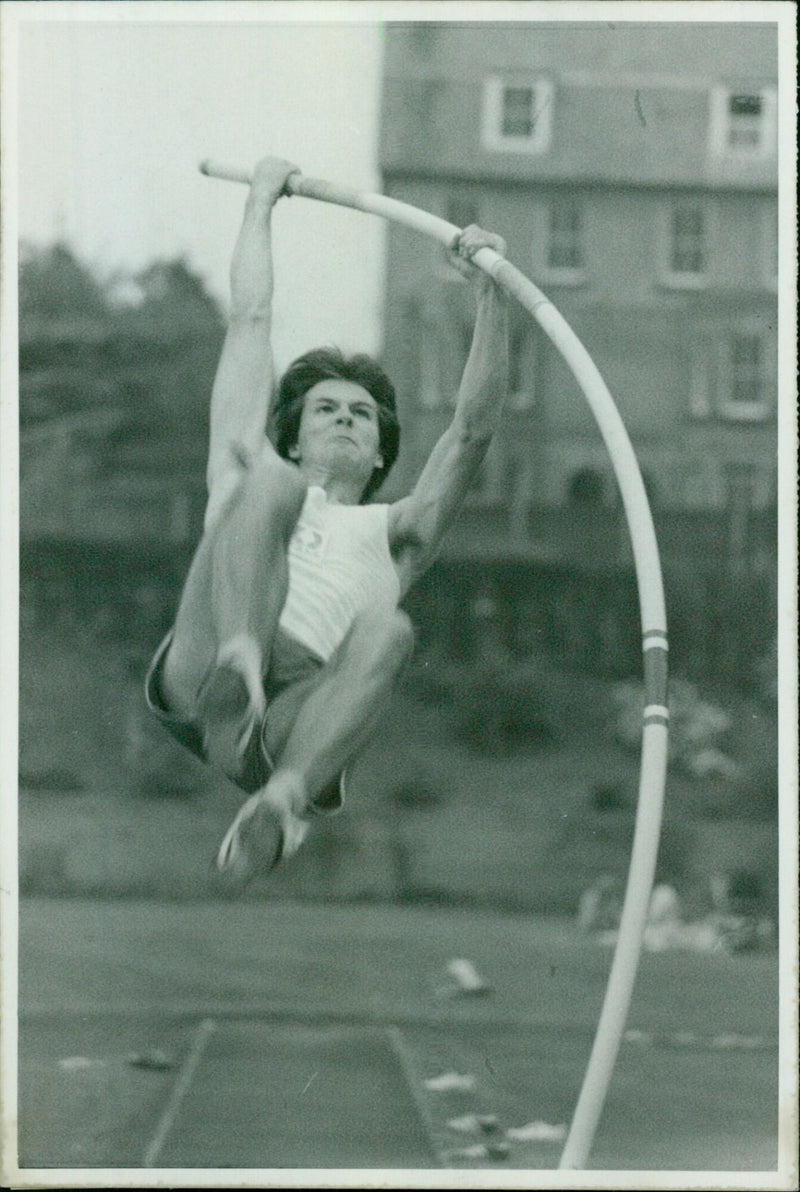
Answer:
(653, 620)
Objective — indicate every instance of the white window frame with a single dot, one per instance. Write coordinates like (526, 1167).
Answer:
(492, 136)
(700, 389)
(727, 407)
(685, 279)
(720, 124)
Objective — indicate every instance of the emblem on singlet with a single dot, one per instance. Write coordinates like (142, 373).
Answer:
(308, 543)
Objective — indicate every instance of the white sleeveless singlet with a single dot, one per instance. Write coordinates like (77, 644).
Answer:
(339, 564)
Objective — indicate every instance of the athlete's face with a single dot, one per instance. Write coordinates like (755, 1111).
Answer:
(339, 431)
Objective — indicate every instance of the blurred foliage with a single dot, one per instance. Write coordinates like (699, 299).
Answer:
(728, 753)
(125, 365)
(697, 727)
(502, 709)
(53, 285)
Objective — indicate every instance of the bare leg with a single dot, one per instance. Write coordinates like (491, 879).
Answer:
(340, 714)
(233, 596)
(332, 725)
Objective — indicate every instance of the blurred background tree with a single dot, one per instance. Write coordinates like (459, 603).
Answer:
(115, 378)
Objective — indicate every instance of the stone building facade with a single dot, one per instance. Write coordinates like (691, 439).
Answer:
(633, 172)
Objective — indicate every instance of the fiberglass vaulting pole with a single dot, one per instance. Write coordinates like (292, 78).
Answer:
(652, 779)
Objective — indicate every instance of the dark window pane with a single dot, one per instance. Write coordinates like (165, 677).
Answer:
(744, 105)
(746, 351)
(687, 247)
(565, 243)
(746, 367)
(518, 112)
(745, 121)
(586, 487)
(564, 256)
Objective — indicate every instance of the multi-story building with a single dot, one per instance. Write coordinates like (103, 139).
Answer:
(632, 170)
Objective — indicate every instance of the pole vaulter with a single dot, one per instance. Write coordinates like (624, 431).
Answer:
(652, 612)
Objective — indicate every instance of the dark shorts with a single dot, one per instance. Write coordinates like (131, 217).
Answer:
(294, 673)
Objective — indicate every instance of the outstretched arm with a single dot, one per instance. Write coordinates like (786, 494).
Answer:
(243, 382)
(418, 523)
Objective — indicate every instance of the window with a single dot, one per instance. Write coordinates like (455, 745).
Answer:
(441, 341)
(687, 241)
(746, 370)
(745, 377)
(686, 244)
(743, 122)
(565, 236)
(586, 487)
(519, 112)
(558, 232)
(732, 372)
(517, 115)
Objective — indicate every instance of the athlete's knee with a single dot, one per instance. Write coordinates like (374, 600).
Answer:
(181, 674)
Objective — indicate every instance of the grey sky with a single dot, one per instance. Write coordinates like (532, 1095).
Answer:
(114, 117)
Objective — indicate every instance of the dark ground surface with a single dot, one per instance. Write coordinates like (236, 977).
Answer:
(296, 1028)
(280, 1036)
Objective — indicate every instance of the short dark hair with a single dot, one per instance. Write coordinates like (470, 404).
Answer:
(326, 364)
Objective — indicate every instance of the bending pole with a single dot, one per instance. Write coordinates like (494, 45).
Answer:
(653, 768)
